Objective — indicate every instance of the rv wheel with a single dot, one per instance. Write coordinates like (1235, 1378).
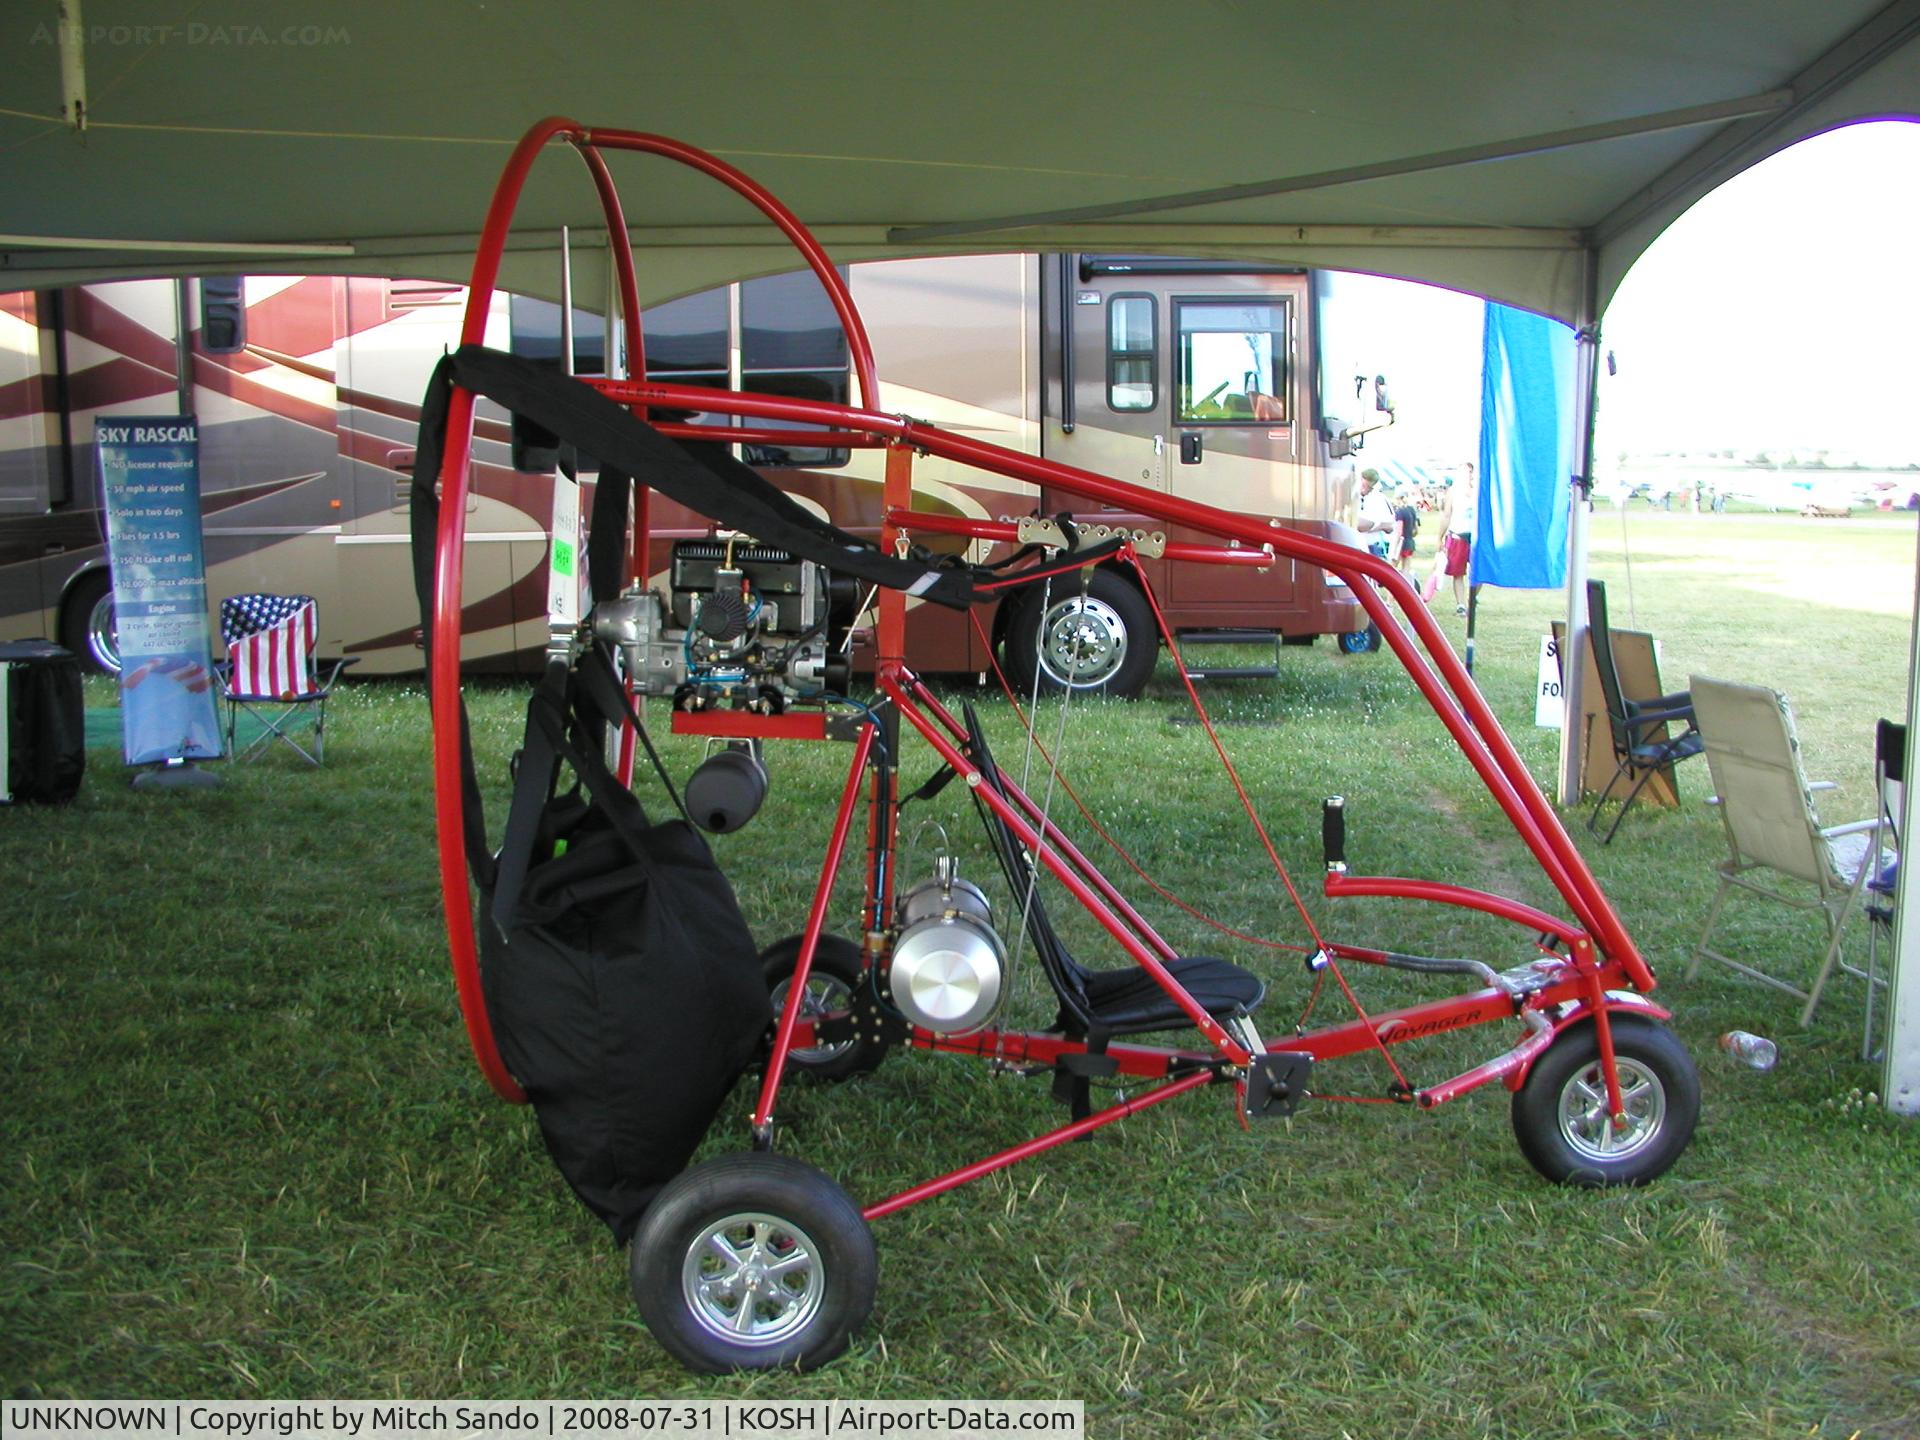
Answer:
(753, 1262)
(1560, 1115)
(836, 979)
(87, 624)
(1103, 639)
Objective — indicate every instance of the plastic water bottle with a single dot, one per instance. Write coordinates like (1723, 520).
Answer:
(1756, 1052)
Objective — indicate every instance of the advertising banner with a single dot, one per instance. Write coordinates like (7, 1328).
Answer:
(150, 478)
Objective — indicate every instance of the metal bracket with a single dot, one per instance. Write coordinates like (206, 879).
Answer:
(1276, 1083)
(1043, 530)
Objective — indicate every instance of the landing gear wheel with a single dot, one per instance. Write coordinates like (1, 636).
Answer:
(833, 983)
(1102, 640)
(1560, 1115)
(753, 1262)
(1360, 642)
(87, 624)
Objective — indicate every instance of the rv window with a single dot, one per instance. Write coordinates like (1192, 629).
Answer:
(533, 333)
(1132, 344)
(791, 344)
(1232, 362)
(687, 344)
(223, 315)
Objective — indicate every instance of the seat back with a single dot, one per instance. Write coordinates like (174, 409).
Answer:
(1754, 754)
(1601, 638)
(1890, 769)
(270, 643)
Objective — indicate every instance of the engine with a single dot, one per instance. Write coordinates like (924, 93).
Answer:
(742, 625)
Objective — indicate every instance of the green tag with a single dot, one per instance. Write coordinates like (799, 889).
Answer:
(562, 557)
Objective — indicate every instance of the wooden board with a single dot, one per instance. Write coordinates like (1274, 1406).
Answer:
(1639, 671)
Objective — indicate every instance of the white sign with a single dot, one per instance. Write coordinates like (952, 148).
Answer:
(1546, 692)
(564, 568)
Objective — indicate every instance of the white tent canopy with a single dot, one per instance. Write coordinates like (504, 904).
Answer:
(1527, 153)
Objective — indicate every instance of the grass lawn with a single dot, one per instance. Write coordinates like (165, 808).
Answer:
(248, 1154)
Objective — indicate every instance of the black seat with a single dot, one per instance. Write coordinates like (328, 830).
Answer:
(1095, 1004)
(1632, 723)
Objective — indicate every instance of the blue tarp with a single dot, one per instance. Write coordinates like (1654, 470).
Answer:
(1526, 451)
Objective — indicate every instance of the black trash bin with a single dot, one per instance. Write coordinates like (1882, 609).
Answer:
(46, 724)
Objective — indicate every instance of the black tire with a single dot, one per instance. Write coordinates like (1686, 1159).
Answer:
(1559, 1115)
(836, 979)
(1360, 642)
(1104, 640)
(700, 1259)
(93, 637)
(1298, 639)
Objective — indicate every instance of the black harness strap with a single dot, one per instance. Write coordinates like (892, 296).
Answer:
(703, 477)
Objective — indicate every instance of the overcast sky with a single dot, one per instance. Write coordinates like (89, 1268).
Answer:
(1781, 312)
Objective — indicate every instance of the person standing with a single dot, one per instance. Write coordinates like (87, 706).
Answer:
(1373, 515)
(1456, 553)
(1443, 527)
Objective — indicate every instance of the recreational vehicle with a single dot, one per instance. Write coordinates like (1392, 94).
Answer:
(1200, 378)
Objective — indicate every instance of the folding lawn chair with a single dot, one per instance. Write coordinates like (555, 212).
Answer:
(1767, 807)
(271, 672)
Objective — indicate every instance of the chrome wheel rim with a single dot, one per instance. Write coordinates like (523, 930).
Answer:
(753, 1279)
(1082, 643)
(1585, 1124)
(825, 995)
(103, 634)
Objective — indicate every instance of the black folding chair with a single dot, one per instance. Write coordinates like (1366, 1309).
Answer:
(1890, 783)
(1639, 750)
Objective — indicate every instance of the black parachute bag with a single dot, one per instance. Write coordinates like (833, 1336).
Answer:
(623, 984)
(46, 723)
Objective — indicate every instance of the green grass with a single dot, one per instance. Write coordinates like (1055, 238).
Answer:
(247, 1152)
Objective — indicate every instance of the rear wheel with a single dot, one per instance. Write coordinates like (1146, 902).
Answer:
(1560, 1115)
(834, 982)
(87, 623)
(753, 1262)
(1101, 639)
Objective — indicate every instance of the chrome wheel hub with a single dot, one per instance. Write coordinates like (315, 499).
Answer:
(753, 1279)
(1596, 1135)
(1083, 642)
(103, 634)
(825, 995)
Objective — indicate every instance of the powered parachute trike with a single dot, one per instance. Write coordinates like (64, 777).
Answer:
(755, 1260)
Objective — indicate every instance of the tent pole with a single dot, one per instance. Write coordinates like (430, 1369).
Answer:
(1900, 1083)
(1473, 614)
(1586, 386)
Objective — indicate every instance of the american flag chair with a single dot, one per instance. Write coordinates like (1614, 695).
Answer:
(271, 672)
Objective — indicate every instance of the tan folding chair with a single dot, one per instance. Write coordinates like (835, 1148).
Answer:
(1767, 807)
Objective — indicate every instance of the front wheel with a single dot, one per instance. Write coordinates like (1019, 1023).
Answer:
(753, 1262)
(1560, 1115)
(1102, 638)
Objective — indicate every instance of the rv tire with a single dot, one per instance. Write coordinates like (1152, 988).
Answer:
(1098, 640)
(87, 625)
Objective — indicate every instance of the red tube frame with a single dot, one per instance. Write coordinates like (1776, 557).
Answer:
(1437, 673)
